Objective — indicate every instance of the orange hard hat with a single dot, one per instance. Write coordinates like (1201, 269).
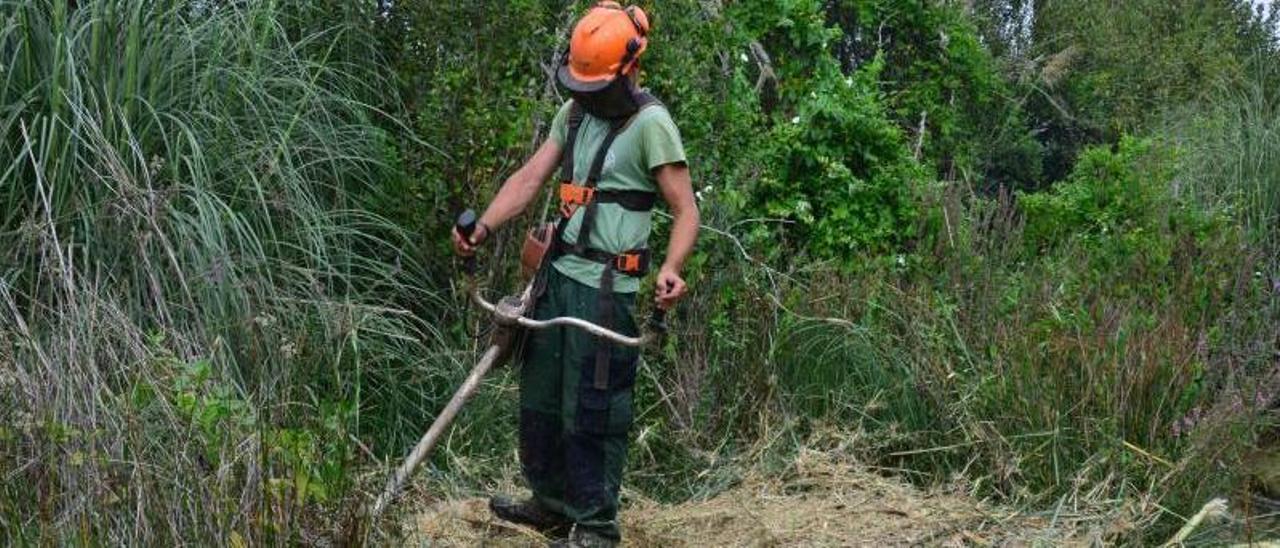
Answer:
(606, 43)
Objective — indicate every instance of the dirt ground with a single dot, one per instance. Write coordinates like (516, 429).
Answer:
(819, 503)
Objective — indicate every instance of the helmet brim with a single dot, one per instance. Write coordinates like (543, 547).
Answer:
(567, 79)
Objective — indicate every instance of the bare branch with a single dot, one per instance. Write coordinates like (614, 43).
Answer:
(767, 74)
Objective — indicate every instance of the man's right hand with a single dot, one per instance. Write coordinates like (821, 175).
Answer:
(516, 193)
(467, 247)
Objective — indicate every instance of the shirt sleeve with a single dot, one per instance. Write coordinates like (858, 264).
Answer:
(662, 144)
(559, 124)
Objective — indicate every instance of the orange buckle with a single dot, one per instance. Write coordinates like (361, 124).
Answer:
(572, 196)
(627, 262)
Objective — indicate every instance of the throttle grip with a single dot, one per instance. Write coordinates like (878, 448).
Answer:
(466, 225)
(658, 320)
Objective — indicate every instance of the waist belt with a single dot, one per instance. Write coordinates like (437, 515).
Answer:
(633, 263)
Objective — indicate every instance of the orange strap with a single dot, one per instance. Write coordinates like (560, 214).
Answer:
(574, 196)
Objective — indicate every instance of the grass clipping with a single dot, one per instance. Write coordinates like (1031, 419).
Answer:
(820, 501)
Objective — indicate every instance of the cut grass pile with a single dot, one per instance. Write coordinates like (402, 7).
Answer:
(819, 500)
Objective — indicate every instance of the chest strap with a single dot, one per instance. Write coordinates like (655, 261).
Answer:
(570, 141)
(574, 196)
(574, 123)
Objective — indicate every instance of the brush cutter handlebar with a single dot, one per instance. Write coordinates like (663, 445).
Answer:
(510, 310)
(508, 315)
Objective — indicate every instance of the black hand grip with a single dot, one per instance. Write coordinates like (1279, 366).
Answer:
(466, 225)
(658, 320)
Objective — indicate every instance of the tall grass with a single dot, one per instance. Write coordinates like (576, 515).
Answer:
(1233, 149)
(197, 318)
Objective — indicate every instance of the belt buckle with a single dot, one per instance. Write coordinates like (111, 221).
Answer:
(572, 196)
(628, 263)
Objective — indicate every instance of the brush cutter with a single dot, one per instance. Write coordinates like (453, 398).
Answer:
(509, 314)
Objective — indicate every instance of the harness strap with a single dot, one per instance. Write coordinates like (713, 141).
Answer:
(574, 123)
(593, 177)
(633, 263)
(572, 195)
(570, 139)
(604, 312)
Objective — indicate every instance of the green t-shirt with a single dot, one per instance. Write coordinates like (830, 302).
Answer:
(649, 140)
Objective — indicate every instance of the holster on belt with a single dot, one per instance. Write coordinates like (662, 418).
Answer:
(536, 244)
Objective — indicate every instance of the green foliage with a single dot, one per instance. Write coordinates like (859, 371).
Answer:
(307, 463)
(836, 168)
(941, 80)
(195, 286)
(1092, 70)
(214, 409)
(476, 96)
(1143, 56)
(1232, 157)
(838, 373)
(1119, 206)
(839, 171)
(1107, 197)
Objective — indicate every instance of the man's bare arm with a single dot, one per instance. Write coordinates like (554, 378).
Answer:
(677, 190)
(516, 193)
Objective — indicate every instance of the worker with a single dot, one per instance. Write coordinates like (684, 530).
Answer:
(614, 150)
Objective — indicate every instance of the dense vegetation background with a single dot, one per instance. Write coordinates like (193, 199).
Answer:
(1027, 249)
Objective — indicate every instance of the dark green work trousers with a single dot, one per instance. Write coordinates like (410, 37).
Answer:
(573, 435)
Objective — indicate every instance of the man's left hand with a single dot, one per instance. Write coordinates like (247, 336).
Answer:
(671, 288)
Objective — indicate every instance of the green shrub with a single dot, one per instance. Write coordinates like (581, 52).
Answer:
(940, 79)
(840, 172)
(1107, 197)
(1120, 206)
(835, 168)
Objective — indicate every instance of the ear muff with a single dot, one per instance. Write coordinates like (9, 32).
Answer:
(640, 20)
(634, 47)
